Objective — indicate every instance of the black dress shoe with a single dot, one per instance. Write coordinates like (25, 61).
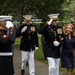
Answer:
(22, 72)
(27, 63)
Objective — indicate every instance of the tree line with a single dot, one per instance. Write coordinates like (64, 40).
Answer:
(39, 8)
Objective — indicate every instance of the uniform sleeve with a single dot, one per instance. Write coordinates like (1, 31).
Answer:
(10, 36)
(36, 38)
(61, 42)
(42, 29)
(18, 31)
(1, 38)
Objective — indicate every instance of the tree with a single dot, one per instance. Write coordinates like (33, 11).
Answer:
(40, 8)
(68, 9)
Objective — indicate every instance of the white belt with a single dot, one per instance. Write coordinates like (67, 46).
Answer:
(6, 54)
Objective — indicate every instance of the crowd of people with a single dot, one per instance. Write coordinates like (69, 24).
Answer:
(57, 43)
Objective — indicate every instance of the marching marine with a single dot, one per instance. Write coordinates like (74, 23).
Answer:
(29, 43)
(44, 22)
(52, 34)
(6, 41)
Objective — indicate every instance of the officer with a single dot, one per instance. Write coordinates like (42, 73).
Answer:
(44, 22)
(9, 24)
(52, 34)
(29, 43)
(6, 54)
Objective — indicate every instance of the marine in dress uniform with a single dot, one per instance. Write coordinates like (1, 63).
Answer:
(44, 22)
(52, 34)
(6, 54)
(9, 24)
(29, 43)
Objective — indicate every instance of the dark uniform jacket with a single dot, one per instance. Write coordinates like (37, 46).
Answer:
(5, 44)
(6, 61)
(51, 33)
(29, 40)
(42, 36)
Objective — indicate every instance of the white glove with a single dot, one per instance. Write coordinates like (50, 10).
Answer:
(36, 48)
(50, 22)
(9, 24)
(56, 43)
(24, 29)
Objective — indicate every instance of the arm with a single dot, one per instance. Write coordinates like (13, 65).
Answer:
(34, 33)
(18, 31)
(12, 34)
(36, 38)
(8, 38)
(42, 29)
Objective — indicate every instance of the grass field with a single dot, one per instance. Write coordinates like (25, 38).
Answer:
(39, 53)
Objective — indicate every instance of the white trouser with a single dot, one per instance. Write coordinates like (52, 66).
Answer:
(53, 66)
(28, 56)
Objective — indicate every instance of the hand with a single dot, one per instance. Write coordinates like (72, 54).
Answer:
(50, 22)
(61, 38)
(24, 29)
(5, 36)
(32, 29)
(56, 43)
(9, 24)
(36, 48)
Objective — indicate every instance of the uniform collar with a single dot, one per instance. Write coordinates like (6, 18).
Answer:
(53, 26)
(27, 25)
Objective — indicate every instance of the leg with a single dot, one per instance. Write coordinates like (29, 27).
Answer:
(43, 47)
(24, 60)
(57, 66)
(27, 63)
(31, 63)
(51, 63)
(44, 51)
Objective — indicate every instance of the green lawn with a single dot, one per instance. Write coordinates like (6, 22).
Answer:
(39, 53)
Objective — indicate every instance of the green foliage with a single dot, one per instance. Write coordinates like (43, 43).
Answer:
(40, 8)
(68, 10)
(37, 24)
(17, 43)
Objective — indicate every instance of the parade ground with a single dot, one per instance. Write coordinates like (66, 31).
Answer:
(41, 68)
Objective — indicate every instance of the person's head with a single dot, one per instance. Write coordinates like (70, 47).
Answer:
(3, 26)
(69, 29)
(54, 22)
(3, 19)
(28, 22)
(54, 18)
(44, 21)
(27, 19)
